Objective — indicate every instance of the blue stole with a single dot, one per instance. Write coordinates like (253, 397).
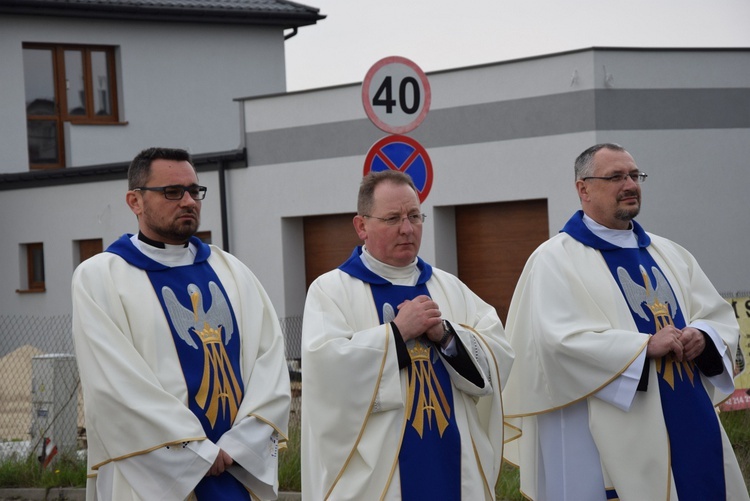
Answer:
(207, 340)
(430, 456)
(692, 426)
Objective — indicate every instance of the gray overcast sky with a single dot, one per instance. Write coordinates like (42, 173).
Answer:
(444, 34)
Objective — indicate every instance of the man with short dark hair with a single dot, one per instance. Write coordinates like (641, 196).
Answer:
(402, 367)
(185, 384)
(623, 348)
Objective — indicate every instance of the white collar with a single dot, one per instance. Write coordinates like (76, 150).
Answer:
(621, 238)
(170, 255)
(406, 275)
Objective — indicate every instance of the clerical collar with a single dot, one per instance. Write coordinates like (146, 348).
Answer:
(626, 239)
(406, 275)
(153, 243)
(166, 254)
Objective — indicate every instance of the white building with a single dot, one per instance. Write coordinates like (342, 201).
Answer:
(502, 139)
(86, 84)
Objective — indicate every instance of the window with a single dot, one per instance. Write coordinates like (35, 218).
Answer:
(205, 236)
(84, 249)
(32, 257)
(65, 83)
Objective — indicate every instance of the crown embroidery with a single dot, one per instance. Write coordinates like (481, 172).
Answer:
(658, 300)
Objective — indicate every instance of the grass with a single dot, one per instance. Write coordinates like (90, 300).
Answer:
(289, 462)
(736, 424)
(508, 484)
(28, 472)
(71, 472)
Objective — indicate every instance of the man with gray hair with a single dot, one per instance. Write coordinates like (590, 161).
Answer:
(623, 349)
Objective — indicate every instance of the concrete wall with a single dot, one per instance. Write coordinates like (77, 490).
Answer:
(495, 133)
(176, 84)
(59, 216)
(510, 132)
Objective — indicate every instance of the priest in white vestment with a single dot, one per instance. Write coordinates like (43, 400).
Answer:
(623, 350)
(185, 385)
(402, 368)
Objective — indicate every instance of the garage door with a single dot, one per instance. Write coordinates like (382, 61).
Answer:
(493, 243)
(329, 241)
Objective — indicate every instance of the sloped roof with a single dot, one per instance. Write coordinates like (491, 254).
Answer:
(282, 13)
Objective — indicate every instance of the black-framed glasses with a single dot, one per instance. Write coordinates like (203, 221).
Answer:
(415, 219)
(176, 192)
(637, 177)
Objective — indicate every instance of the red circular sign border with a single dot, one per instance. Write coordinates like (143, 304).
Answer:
(366, 95)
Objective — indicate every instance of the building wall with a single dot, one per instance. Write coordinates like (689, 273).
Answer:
(495, 133)
(508, 132)
(177, 84)
(59, 216)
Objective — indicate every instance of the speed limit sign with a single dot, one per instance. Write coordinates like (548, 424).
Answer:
(396, 95)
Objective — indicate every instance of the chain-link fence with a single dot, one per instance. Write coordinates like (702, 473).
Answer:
(39, 394)
(41, 406)
(292, 329)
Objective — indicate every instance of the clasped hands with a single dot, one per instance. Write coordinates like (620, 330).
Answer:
(684, 344)
(418, 316)
(221, 463)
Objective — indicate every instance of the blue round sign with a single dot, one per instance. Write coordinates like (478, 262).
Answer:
(404, 154)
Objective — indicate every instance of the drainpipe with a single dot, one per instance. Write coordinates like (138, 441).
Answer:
(223, 202)
(290, 35)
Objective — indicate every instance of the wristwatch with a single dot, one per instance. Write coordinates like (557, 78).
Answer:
(447, 333)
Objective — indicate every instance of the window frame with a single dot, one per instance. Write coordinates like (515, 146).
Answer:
(204, 236)
(62, 114)
(32, 284)
(87, 248)
(91, 117)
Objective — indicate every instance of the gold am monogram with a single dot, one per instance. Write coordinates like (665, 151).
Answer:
(220, 391)
(425, 396)
(658, 300)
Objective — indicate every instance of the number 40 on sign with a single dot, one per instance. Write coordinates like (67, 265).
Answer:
(396, 95)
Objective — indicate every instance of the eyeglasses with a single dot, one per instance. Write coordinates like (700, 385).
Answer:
(637, 177)
(176, 192)
(415, 219)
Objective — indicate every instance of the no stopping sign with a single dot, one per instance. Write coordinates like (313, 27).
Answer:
(404, 154)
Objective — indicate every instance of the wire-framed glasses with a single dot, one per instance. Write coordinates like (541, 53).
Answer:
(415, 219)
(637, 177)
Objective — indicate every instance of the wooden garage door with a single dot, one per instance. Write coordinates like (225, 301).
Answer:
(329, 241)
(493, 243)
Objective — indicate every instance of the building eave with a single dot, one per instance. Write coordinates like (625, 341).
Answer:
(161, 12)
(106, 172)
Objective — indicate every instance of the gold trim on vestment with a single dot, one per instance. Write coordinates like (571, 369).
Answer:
(404, 421)
(369, 413)
(146, 451)
(489, 351)
(618, 374)
(282, 437)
